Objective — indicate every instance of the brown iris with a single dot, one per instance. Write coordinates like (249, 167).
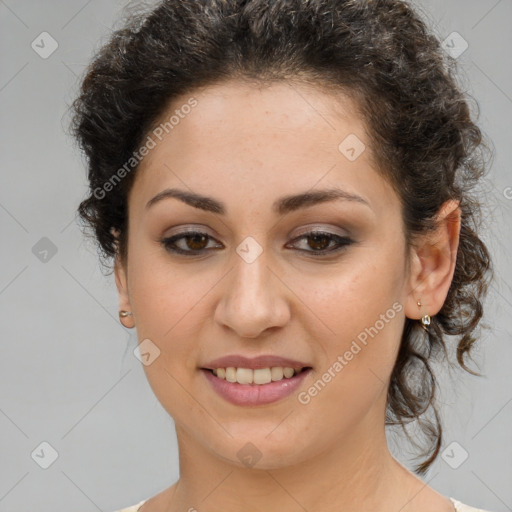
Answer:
(319, 238)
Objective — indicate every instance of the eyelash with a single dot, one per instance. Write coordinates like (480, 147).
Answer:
(169, 243)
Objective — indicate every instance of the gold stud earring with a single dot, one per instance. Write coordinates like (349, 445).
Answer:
(123, 317)
(425, 322)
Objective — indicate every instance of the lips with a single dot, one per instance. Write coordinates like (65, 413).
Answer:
(251, 395)
(262, 391)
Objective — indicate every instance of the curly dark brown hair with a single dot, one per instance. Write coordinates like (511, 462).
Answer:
(383, 56)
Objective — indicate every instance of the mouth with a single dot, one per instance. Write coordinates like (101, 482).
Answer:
(251, 387)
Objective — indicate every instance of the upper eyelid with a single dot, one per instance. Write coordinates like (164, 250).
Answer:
(315, 227)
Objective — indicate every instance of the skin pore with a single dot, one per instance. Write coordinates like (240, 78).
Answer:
(247, 147)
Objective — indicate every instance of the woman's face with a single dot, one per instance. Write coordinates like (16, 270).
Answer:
(250, 284)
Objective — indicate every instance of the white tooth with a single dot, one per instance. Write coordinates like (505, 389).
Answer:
(244, 376)
(288, 372)
(221, 373)
(231, 374)
(262, 376)
(276, 373)
(214, 372)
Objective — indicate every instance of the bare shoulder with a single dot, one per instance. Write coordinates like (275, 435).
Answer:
(461, 507)
(417, 495)
(158, 503)
(428, 500)
(132, 508)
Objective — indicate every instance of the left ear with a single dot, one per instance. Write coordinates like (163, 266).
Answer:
(121, 278)
(433, 259)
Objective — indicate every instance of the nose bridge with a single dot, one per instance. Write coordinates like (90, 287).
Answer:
(251, 273)
(251, 302)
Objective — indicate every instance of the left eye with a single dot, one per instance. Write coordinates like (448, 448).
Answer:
(320, 240)
(196, 242)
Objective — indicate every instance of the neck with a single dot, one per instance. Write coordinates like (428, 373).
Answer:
(356, 474)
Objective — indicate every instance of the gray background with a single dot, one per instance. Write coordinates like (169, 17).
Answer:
(68, 375)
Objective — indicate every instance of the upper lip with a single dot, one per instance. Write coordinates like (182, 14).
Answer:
(263, 361)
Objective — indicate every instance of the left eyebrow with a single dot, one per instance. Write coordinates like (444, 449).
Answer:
(281, 206)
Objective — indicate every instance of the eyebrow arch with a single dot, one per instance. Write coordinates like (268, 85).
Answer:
(281, 206)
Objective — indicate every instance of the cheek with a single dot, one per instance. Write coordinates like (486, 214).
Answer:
(358, 359)
(168, 308)
(171, 306)
(162, 294)
(361, 321)
(352, 297)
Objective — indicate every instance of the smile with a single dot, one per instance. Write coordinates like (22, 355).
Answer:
(248, 387)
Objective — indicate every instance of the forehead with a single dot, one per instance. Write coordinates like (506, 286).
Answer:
(255, 139)
(245, 114)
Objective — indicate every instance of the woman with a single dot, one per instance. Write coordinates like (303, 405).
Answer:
(285, 190)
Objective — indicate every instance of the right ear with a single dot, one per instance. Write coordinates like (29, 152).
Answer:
(121, 277)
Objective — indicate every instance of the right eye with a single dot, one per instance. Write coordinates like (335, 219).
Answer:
(195, 242)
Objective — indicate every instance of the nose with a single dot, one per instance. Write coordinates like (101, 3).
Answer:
(253, 299)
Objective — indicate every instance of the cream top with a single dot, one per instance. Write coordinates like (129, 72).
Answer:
(459, 507)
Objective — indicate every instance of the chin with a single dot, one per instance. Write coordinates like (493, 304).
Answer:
(260, 451)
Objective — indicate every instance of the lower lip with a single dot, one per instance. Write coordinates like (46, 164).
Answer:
(255, 394)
